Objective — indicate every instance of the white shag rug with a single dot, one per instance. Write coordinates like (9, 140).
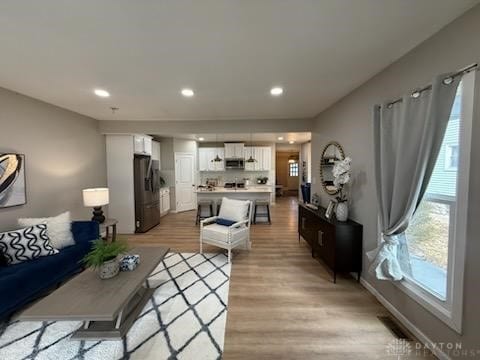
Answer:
(185, 319)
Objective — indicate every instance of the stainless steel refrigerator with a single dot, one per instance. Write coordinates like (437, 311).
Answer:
(147, 193)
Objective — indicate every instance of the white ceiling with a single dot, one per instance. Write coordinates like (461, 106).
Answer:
(298, 137)
(229, 52)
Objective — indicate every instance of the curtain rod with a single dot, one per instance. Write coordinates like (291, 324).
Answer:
(448, 80)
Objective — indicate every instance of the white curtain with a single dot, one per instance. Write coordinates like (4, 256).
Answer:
(408, 136)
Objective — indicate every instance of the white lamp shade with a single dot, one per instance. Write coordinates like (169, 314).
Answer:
(95, 197)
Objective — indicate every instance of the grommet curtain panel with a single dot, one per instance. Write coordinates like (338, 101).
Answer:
(407, 137)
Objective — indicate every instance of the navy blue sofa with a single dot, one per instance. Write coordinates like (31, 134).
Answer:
(22, 283)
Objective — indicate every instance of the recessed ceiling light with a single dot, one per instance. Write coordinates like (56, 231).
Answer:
(101, 93)
(187, 92)
(276, 91)
(291, 142)
(201, 138)
(280, 138)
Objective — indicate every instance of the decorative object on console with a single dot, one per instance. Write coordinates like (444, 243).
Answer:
(26, 244)
(58, 228)
(316, 199)
(12, 180)
(342, 173)
(129, 262)
(330, 208)
(104, 257)
(96, 198)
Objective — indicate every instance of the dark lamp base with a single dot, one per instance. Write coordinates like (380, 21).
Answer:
(98, 215)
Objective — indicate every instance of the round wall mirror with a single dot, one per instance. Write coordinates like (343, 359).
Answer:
(332, 152)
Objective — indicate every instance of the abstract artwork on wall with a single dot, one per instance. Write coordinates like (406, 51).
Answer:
(12, 180)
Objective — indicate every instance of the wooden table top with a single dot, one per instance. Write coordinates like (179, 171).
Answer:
(87, 297)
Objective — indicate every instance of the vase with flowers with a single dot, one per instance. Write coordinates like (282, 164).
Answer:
(342, 174)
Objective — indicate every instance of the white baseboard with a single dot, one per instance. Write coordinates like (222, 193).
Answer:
(405, 322)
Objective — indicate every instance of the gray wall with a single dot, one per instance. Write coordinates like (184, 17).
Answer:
(349, 122)
(64, 153)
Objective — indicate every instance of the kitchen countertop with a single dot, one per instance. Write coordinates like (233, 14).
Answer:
(250, 189)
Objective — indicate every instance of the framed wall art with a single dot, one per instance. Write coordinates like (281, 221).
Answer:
(12, 180)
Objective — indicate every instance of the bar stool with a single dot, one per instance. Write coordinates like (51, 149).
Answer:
(200, 205)
(266, 204)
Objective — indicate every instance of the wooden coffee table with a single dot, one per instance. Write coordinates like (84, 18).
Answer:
(107, 307)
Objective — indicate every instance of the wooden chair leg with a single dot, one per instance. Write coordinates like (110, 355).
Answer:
(199, 210)
(229, 254)
(211, 210)
(268, 213)
(255, 214)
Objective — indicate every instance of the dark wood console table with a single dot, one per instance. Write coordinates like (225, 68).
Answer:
(338, 244)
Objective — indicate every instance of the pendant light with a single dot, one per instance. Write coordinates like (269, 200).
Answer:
(293, 159)
(251, 159)
(217, 158)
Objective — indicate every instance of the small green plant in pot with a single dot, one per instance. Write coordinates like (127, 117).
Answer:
(103, 257)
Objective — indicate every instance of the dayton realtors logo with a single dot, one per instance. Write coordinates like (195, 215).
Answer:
(401, 348)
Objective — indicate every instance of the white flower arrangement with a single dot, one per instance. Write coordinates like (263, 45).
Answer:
(342, 174)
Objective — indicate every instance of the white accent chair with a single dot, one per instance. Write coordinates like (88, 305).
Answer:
(228, 237)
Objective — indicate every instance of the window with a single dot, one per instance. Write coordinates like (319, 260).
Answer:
(293, 169)
(451, 157)
(436, 235)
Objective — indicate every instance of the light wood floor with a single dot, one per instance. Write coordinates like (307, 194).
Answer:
(282, 303)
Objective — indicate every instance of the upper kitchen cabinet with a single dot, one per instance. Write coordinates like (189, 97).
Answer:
(262, 155)
(142, 144)
(266, 157)
(206, 156)
(234, 150)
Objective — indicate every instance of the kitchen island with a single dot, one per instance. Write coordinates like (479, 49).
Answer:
(253, 193)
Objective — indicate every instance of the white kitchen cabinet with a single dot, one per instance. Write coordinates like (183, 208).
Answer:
(234, 150)
(266, 158)
(263, 155)
(142, 144)
(206, 156)
(203, 159)
(164, 201)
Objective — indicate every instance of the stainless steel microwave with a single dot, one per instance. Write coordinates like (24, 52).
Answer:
(235, 164)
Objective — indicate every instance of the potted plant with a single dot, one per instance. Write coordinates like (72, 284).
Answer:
(342, 173)
(103, 257)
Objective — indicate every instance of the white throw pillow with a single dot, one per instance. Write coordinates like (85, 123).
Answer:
(235, 210)
(58, 229)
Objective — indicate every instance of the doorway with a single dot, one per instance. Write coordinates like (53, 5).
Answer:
(287, 170)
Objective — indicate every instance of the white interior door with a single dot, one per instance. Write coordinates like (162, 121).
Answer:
(185, 181)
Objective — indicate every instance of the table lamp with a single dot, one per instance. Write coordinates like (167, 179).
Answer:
(96, 198)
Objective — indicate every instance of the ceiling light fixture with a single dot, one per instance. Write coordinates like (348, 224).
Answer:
(276, 91)
(187, 92)
(291, 142)
(201, 138)
(280, 138)
(101, 93)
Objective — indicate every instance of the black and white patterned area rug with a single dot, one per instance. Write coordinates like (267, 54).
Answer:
(185, 319)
